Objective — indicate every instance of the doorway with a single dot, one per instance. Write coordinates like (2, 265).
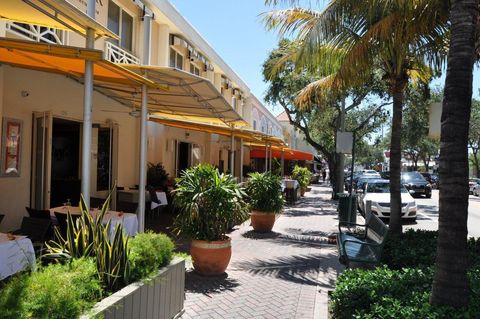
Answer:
(187, 155)
(65, 183)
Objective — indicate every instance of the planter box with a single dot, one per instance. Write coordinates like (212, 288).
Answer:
(161, 297)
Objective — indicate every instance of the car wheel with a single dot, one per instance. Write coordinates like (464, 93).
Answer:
(428, 195)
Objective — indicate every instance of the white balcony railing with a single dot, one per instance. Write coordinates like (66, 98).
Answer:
(37, 33)
(116, 54)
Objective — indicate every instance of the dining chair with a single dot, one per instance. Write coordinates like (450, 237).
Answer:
(154, 202)
(36, 229)
(62, 222)
(38, 213)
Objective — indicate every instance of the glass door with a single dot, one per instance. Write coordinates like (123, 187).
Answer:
(41, 160)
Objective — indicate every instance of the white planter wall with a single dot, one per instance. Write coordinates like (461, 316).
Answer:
(162, 297)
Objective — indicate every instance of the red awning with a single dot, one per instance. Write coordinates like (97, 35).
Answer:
(289, 154)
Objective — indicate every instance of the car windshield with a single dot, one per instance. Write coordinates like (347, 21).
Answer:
(412, 177)
(382, 188)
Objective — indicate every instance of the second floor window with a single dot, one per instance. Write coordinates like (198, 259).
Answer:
(194, 69)
(176, 59)
(121, 23)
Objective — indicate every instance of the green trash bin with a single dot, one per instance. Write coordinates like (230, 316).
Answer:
(347, 208)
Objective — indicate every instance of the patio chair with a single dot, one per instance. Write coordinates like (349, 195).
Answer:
(38, 213)
(154, 202)
(62, 222)
(36, 229)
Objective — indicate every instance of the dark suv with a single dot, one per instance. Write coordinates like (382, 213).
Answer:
(417, 184)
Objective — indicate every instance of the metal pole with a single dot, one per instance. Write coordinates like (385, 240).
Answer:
(143, 128)
(282, 173)
(232, 155)
(266, 157)
(350, 199)
(241, 160)
(341, 156)
(87, 116)
(271, 158)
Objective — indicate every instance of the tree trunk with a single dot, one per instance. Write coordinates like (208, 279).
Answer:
(398, 88)
(476, 162)
(450, 285)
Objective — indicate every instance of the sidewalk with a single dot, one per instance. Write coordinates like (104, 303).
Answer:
(285, 274)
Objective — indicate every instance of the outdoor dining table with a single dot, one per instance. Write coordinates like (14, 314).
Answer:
(16, 254)
(129, 221)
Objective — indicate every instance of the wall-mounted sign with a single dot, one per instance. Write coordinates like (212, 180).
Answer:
(11, 147)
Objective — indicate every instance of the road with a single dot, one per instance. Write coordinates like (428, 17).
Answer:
(427, 214)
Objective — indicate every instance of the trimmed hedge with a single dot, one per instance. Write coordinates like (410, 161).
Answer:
(53, 292)
(417, 248)
(385, 293)
(148, 253)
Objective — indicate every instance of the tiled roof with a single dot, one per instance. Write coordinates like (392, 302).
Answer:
(283, 117)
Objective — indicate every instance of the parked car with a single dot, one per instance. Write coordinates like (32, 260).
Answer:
(378, 192)
(414, 181)
(476, 189)
(472, 182)
(361, 175)
(385, 175)
(363, 181)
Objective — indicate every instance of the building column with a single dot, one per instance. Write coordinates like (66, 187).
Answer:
(232, 155)
(266, 157)
(241, 160)
(163, 45)
(147, 19)
(282, 163)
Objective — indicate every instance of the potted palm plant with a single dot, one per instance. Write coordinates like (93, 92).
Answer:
(266, 200)
(209, 203)
(302, 175)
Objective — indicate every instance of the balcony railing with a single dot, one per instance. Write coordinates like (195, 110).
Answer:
(37, 33)
(116, 54)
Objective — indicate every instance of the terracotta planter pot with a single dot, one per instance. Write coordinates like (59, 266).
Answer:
(211, 258)
(262, 222)
(302, 191)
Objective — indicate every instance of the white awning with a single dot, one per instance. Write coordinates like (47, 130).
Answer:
(186, 97)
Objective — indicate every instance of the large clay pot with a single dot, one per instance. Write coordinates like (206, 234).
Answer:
(262, 222)
(302, 191)
(211, 258)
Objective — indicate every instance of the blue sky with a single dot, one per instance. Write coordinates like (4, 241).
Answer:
(234, 29)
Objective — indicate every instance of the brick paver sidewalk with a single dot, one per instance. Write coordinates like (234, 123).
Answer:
(285, 274)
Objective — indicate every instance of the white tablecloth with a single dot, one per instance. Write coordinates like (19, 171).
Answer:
(129, 221)
(15, 255)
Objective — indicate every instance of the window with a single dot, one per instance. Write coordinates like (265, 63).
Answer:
(254, 125)
(234, 102)
(120, 23)
(194, 69)
(176, 59)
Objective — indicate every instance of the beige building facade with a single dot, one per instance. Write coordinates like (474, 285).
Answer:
(42, 88)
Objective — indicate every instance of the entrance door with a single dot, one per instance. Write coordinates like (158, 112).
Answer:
(183, 156)
(41, 160)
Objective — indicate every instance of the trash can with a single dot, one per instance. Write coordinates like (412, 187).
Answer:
(347, 208)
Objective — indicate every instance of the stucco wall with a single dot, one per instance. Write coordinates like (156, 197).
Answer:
(64, 98)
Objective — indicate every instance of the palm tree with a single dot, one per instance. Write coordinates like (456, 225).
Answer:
(450, 285)
(400, 39)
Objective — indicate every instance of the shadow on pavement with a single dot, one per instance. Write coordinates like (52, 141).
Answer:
(196, 283)
(301, 269)
(251, 234)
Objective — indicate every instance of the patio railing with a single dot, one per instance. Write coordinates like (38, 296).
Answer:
(37, 33)
(116, 54)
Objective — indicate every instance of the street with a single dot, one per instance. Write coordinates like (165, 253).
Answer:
(427, 215)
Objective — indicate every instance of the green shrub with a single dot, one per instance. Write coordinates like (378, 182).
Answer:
(302, 175)
(264, 192)
(417, 248)
(385, 293)
(53, 292)
(149, 252)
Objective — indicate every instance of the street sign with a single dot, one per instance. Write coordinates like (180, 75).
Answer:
(344, 142)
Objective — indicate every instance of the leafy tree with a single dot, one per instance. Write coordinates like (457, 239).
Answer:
(450, 285)
(320, 123)
(417, 145)
(354, 39)
(474, 136)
